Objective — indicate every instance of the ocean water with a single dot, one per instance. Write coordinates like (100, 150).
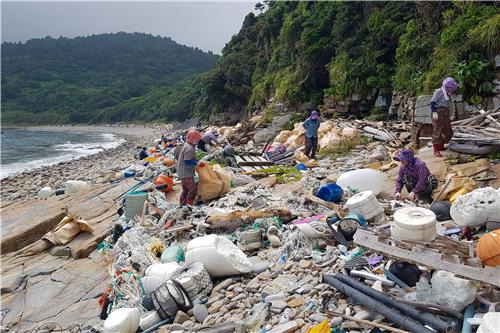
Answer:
(26, 150)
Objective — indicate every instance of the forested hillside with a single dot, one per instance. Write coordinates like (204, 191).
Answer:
(291, 52)
(298, 52)
(81, 79)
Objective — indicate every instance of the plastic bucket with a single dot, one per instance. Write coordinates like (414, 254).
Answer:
(330, 192)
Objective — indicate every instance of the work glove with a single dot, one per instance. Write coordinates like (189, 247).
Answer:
(435, 116)
(397, 196)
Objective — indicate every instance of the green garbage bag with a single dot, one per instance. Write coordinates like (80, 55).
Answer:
(173, 253)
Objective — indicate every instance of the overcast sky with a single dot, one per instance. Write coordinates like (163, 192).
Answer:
(206, 25)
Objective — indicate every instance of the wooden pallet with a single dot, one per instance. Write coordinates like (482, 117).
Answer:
(433, 258)
(249, 163)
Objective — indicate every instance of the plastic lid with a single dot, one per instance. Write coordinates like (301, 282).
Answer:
(414, 218)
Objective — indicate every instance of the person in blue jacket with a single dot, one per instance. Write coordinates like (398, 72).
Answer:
(311, 125)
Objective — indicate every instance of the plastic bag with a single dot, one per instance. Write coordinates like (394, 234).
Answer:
(174, 253)
(213, 181)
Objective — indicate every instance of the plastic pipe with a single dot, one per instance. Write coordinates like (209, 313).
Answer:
(423, 317)
(377, 306)
(468, 313)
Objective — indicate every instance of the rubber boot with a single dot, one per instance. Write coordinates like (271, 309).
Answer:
(437, 148)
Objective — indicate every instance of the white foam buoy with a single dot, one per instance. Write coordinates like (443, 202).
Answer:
(74, 186)
(46, 192)
(366, 204)
(476, 208)
(414, 223)
(362, 180)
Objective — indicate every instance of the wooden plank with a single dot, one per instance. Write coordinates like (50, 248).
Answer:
(428, 258)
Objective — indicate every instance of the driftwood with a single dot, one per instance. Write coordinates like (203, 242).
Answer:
(237, 218)
(330, 205)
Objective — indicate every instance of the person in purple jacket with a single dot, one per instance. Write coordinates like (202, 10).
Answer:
(415, 177)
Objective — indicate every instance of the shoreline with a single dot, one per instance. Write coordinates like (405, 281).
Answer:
(94, 169)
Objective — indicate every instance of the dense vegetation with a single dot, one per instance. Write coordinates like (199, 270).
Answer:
(83, 79)
(296, 52)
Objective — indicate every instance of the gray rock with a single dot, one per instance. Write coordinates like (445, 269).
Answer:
(275, 297)
(260, 267)
(317, 317)
(305, 289)
(278, 304)
(238, 297)
(61, 251)
(180, 317)
(336, 321)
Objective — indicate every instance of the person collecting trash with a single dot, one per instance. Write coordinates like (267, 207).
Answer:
(311, 125)
(415, 177)
(226, 156)
(143, 154)
(210, 138)
(441, 106)
(186, 168)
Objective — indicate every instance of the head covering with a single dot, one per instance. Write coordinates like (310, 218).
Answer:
(314, 115)
(229, 150)
(449, 84)
(405, 155)
(193, 137)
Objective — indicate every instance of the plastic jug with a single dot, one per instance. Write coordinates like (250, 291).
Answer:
(330, 192)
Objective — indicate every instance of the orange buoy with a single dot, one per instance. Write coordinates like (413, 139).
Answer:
(168, 162)
(164, 180)
(488, 249)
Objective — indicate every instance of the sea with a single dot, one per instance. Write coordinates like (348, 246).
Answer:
(23, 150)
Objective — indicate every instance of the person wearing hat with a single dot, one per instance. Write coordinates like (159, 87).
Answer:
(415, 176)
(186, 168)
(441, 106)
(210, 138)
(311, 125)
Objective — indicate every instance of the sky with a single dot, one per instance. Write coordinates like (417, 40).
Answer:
(206, 25)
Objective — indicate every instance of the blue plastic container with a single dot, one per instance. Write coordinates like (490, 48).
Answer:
(128, 174)
(330, 192)
(301, 167)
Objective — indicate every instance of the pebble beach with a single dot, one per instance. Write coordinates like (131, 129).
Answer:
(94, 169)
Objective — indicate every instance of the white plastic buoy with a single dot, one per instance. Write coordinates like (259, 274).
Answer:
(124, 320)
(414, 223)
(366, 204)
(46, 192)
(476, 208)
(74, 186)
(362, 180)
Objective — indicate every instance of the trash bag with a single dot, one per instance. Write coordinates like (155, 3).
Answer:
(213, 181)
(219, 256)
(124, 320)
(283, 136)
